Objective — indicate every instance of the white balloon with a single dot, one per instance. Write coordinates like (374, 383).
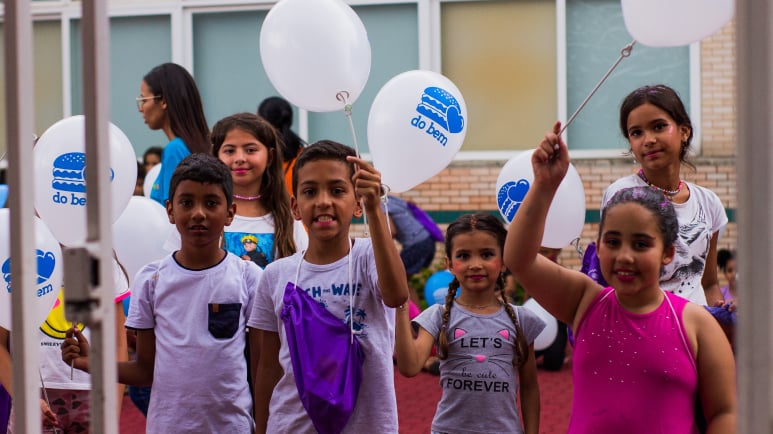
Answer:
(566, 215)
(60, 177)
(416, 125)
(139, 234)
(314, 49)
(150, 178)
(49, 271)
(671, 23)
(549, 333)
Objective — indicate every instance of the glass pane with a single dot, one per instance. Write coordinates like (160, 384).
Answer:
(502, 56)
(137, 44)
(595, 35)
(226, 58)
(393, 34)
(47, 65)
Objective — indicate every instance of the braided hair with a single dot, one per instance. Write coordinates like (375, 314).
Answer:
(486, 223)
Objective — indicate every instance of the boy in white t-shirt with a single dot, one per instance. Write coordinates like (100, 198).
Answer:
(190, 311)
(328, 184)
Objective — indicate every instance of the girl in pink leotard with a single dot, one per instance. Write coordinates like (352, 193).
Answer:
(642, 356)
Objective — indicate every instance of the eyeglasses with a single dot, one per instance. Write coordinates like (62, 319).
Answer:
(141, 100)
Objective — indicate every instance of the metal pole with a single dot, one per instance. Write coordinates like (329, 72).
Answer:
(19, 118)
(755, 215)
(100, 315)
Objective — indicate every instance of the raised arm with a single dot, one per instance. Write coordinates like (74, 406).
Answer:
(557, 289)
(391, 272)
(411, 353)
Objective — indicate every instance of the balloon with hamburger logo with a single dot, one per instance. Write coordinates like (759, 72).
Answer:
(60, 177)
(48, 258)
(416, 126)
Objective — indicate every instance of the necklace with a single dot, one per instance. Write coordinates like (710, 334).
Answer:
(240, 197)
(669, 193)
(475, 306)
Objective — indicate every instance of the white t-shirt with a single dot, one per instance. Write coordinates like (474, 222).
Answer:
(700, 217)
(261, 231)
(56, 373)
(376, 407)
(262, 228)
(199, 319)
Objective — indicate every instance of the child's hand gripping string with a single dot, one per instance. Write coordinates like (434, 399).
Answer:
(75, 350)
(367, 184)
(551, 159)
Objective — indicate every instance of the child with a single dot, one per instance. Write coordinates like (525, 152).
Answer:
(642, 356)
(329, 183)
(190, 311)
(726, 263)
(482, 342)
(659, 131)
(249, 146)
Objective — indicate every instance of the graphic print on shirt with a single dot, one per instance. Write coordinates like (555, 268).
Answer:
(257, 248)
(56, 325)
(693, 242)
(336, 298)
(485, 364)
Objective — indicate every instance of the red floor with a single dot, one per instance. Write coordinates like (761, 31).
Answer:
(417, 398)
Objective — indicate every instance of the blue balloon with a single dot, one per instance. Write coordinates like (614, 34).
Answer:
(3, 194)
(436, 288)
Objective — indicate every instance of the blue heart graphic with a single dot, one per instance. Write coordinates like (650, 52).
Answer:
(510, 196)
(46, 264)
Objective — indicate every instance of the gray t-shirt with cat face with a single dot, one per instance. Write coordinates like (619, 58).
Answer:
(478, 378)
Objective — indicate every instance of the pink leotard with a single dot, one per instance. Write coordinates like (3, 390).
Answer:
(633, 373)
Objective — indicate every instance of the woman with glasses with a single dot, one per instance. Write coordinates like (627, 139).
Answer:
(169, 101)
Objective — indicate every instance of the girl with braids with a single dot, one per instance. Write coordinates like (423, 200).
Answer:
(642, 355)
(169, 101)
(486, 347)
(263, 228)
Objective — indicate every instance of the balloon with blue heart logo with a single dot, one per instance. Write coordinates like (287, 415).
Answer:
(49, 271)
(566, 215)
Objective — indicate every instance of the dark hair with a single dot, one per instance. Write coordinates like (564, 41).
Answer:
(664, 98)
(723, 257)
(205, 169)
(486, 223)
(279, 113)
(655, 202)
(323, 150)
(273, 193)
(153, 150)
(174, 85)
(140, 170)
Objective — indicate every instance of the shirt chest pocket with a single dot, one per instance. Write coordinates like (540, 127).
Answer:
(223, 319)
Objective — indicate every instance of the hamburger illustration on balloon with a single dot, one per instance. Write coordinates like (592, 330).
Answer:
(70, 172)
(442, 108)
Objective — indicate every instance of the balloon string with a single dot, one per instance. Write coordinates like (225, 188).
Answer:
(625, 52)
(343, 96)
